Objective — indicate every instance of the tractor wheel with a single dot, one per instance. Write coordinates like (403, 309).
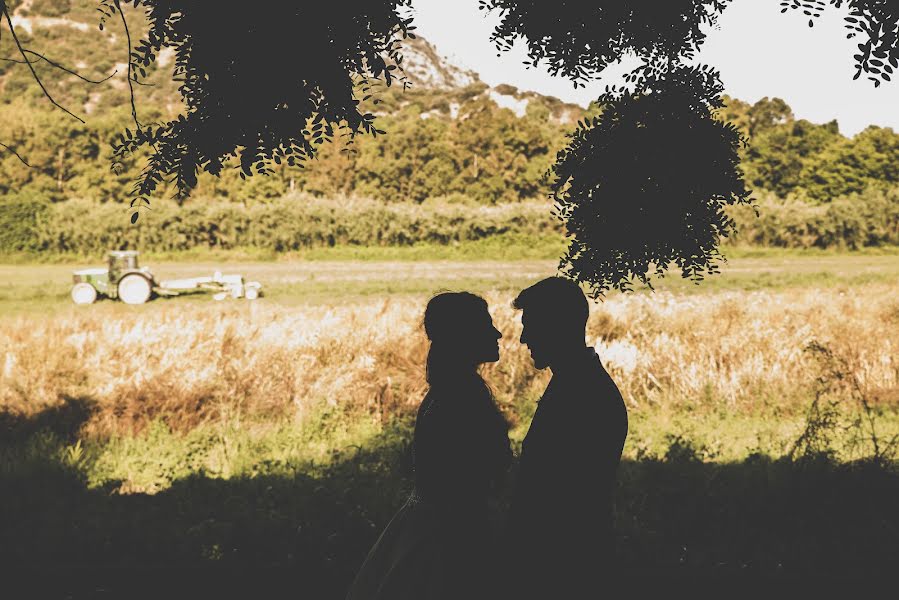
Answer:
(251, 293)
(83, 293)
(134, 289)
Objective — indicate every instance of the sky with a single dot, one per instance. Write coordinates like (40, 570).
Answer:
(759, 52)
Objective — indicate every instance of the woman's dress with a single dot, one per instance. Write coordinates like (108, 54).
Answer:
(439, 544)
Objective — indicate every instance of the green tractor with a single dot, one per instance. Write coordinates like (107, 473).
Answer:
(132, 284)
(122, 279)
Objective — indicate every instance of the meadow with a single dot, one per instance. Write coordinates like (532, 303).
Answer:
(763, 406)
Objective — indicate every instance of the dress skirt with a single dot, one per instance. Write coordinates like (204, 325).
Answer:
(427, 552)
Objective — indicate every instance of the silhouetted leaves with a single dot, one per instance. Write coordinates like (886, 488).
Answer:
(646, 182)
(253, 80)
(874, 21)
(579, 39)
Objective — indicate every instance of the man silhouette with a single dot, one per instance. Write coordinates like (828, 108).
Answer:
(560, 528)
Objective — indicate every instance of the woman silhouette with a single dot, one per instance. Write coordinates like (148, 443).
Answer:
(438, 545)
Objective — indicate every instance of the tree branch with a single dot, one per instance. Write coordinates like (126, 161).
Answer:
(17, 155)
(130, 84)
(22, 50)
(58, 66)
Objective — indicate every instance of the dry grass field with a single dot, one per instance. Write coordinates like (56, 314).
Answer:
(730, 352)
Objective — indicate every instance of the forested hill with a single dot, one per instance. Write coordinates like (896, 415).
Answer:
(450, 135)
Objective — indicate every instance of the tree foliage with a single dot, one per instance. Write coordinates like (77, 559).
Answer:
(454, 143)
(814, 162)
(579, 39)
(624, 211)
(632, 199)
(265, 85)
(646, 182)
(874, 22)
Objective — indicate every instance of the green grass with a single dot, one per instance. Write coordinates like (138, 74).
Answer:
(155, 458)
(770, 252)
(29, 288)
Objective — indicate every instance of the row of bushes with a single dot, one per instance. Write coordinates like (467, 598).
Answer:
(301, 222)
(869, 219)
(282, 225)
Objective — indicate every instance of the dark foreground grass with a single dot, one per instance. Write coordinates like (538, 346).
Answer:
(301, 529)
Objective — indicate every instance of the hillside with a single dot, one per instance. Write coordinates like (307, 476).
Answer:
(494, 143)
(67, 31)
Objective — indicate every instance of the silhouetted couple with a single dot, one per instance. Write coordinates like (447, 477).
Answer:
(557, 542)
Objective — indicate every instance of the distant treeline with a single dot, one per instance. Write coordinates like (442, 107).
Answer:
(85, 227)
(437, 143)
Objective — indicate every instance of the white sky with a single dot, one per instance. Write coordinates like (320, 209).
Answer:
(759, 51)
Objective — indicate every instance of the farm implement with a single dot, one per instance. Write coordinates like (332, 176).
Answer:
(124, 280)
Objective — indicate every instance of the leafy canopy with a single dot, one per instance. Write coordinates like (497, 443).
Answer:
(579, 39)
(269, 85)
(646, 182)
(874, 22)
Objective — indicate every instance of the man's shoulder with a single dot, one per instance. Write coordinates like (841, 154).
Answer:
(589, 379)
(590, 392)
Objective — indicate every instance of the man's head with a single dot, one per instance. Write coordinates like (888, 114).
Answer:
(553, 320)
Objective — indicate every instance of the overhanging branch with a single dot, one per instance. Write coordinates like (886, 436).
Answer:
(24, 53)
(59, 66)
(17, 155)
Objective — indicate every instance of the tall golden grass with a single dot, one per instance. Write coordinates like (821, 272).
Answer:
(187, 364)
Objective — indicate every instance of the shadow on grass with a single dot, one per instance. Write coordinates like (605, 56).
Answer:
(303, 534)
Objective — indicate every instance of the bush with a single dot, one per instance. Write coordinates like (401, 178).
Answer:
(19, 217)
(855, 221)
(282, 225)
(301, 222)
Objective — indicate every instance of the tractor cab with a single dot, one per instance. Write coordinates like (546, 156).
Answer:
(121, 262)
